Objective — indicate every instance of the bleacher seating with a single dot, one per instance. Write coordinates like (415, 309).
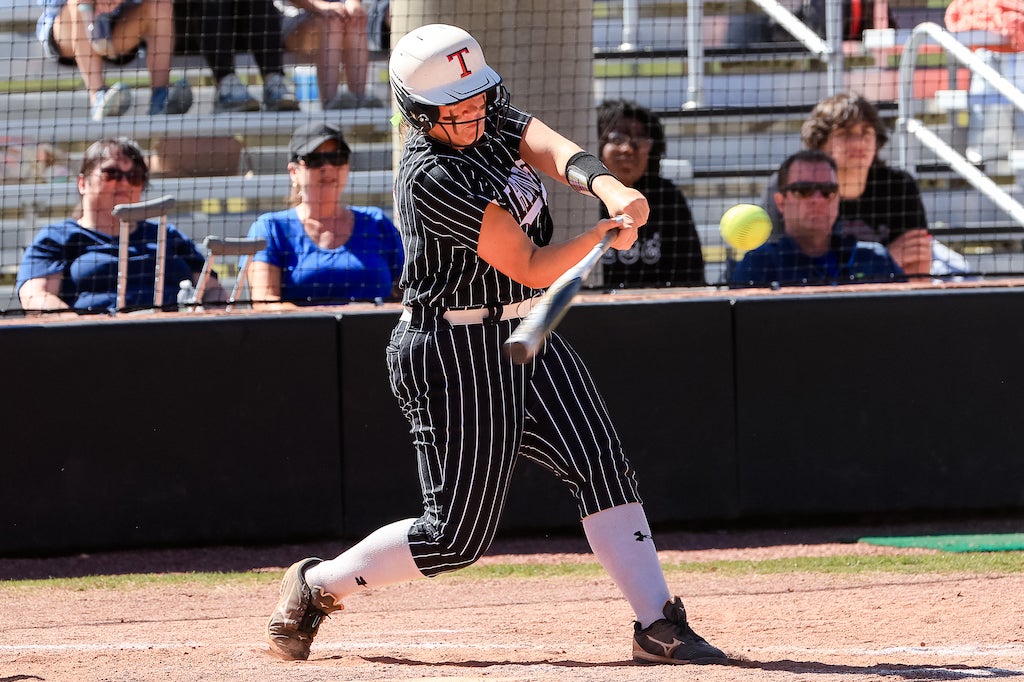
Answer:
(757, 96)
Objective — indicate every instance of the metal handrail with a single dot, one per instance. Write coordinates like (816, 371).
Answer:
(907, 125)
(694, 55)
(830, 50)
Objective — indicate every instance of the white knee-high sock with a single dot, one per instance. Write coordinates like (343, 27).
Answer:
(381, 558)
(621, 540)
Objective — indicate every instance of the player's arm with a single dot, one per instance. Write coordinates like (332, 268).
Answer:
(506, 248)
(552, 154)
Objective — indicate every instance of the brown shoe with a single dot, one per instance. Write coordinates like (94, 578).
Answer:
(298, 615)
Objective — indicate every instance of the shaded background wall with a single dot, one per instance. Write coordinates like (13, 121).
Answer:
(259, 429)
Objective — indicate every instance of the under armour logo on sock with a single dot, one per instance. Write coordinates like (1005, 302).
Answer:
(640, 537)
(361, 581)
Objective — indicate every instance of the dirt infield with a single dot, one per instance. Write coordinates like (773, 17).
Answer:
(796, 626)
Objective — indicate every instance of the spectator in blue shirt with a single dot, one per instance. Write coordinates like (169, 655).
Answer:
(73, 265)
(321, 251)
(808, 253)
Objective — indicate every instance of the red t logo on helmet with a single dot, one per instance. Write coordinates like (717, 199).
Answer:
(462, 61)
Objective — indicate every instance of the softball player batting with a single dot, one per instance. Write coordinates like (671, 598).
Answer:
(476, 230)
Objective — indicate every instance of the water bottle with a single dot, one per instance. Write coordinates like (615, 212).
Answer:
(186, 295)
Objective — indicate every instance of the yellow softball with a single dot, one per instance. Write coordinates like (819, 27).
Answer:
(745, 226)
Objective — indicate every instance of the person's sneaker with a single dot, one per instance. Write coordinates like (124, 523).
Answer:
(348, 100)
(179, 97)
(298, 614)
(671, 640)
(175, 99)
(112, 101)
(232, 95)
(278, 95)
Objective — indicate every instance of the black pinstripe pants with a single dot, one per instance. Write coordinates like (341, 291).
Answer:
(473, 413)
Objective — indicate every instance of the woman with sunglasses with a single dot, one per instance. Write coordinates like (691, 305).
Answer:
(473, 214)
(667, 251)
(321, 251)
(73, 264)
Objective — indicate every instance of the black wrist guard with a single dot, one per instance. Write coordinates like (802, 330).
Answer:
(581, 170)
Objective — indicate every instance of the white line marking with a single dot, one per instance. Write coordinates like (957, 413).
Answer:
(123, 646)
(957, 650)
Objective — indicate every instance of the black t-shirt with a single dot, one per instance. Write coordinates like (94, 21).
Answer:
(667, 251)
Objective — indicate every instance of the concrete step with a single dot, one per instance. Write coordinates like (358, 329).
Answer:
(63, 116)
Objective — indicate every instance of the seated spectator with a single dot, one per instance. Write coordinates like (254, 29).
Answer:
(217, 30)
(878, 203)
(321, 251)
(72, 265)
(809, 252)
(668, 251)
(330, 33)
(91, 34)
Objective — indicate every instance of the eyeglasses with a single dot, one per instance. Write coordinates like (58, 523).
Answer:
(806, 190)
(318, 159)
(618, 139)
(114, 174)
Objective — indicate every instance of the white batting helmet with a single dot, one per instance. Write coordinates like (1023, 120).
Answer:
(437, 64)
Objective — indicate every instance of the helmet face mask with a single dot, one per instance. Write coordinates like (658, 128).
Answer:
(438, 65)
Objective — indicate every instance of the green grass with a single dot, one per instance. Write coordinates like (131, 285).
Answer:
(69, 84)
(979, 562)
(975, 562)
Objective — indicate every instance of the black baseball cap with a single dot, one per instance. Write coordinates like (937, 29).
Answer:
(310, 136)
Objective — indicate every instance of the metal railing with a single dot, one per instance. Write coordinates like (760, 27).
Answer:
(829, 50)
(907, 124)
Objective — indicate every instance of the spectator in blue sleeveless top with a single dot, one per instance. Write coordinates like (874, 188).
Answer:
(321, 251)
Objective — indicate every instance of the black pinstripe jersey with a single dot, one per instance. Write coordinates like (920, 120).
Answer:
(440, 197)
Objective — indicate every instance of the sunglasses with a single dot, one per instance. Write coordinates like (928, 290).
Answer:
(114, 174)
(618, 139)
(319, 159)
(806, 190)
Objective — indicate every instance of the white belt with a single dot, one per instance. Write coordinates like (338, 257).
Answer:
(509, 311)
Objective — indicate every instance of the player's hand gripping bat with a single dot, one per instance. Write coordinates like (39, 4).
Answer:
(525, 341)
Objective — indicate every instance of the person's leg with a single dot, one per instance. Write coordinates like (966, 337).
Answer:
(465, 407)
(263, 34)
(153, 22)
(319, 40)
(211, 33)
(313, 589)
(466, 431)
(381, 558)
(622, 541)
(356, 52)
(569, 431)
(72, 41)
